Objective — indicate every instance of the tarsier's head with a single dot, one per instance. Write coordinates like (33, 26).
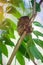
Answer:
(23, 25)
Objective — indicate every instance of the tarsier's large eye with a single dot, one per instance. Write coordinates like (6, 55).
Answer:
(23, 25)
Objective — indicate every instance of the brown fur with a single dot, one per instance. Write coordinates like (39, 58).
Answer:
(23, 25)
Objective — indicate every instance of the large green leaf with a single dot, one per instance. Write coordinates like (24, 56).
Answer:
(0, 56)
(39, 42)
(4, 49)
(37, 33)
(20, 58)
(36, 53)
(37, 24)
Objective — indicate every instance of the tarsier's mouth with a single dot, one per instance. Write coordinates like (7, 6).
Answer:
(23, 25)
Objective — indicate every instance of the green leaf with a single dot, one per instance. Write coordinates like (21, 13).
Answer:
(14, 12)
(22, 5)
(16, 2)
(37, 33)
(20, 58)
(37, 5)
(27, 43)
(8, 42)
(11, 24)
(39, 42)
(37, 24)
(0, 56)
(29, 53)
(9, 27)
(36, 53)
(27, 38)
(4, 49)
(22, 50)
(10, 33)
(32, 1)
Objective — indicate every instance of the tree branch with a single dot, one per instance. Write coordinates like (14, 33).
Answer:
(16, 48)
(34, 12)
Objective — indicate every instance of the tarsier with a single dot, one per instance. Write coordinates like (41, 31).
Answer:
(23, 25)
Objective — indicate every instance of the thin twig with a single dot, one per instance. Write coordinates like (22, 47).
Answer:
(16, 48)
(34, 13)
(34, 63)
(34, 7)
